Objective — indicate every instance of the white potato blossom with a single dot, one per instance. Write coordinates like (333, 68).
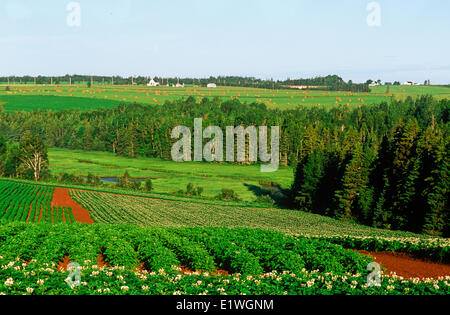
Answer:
(9, 282)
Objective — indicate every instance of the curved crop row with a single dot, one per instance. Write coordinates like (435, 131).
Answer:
(25, 202)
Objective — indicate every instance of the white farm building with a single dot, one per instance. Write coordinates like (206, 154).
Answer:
(211, 86)
(410, 83)
(153, 83)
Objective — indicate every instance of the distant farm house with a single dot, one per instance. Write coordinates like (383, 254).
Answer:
(410, 83)
(211, 86)
(374, 84)
(153, 83)
(179, 85)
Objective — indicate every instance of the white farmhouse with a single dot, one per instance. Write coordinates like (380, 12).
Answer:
(153, 83)
(211, 86)
(410, 83)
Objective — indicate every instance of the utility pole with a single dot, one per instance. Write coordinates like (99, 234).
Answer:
(34, 80)
(92, 82)
(51, 80)
(70, 81)
(112, 80)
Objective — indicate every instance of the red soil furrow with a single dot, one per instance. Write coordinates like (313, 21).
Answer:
(407, 266)
(61, 198)
(51, 214)
(29, 211)
(39, 215)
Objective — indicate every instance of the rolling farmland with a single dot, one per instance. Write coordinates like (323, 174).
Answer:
(244, 180)
(195, 241)
(70, 97)
(115, 208)
(61, 97)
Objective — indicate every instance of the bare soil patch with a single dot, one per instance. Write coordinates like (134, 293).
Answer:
(407, 266)
(61, 198)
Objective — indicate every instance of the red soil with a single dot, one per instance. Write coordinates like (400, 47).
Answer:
(61, 198)
(407, 266)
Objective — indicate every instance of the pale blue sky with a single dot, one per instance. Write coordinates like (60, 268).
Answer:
(262, 38)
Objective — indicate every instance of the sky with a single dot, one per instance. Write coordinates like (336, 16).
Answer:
(276, 39)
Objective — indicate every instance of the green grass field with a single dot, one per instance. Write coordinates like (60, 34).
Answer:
(402, 92)
(29, 97)
(169, 176)
(13, 103)
(43, 97)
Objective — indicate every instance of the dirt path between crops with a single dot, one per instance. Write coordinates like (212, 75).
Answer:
(405, 265)
(61, 198)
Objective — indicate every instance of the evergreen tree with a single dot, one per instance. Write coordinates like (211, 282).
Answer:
(433, 185)
(354, 183)
(404, 174)
(379, 183)
(310, 175)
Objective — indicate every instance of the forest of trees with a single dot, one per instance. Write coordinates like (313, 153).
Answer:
(382, 165)
(330, 82)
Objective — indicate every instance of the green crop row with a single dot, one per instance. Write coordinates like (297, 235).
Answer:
(233, 250)
(148, 260)
(21, 202)
(25, 202)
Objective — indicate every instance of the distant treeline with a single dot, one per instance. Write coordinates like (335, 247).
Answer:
(383, 165)
(331, 82)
